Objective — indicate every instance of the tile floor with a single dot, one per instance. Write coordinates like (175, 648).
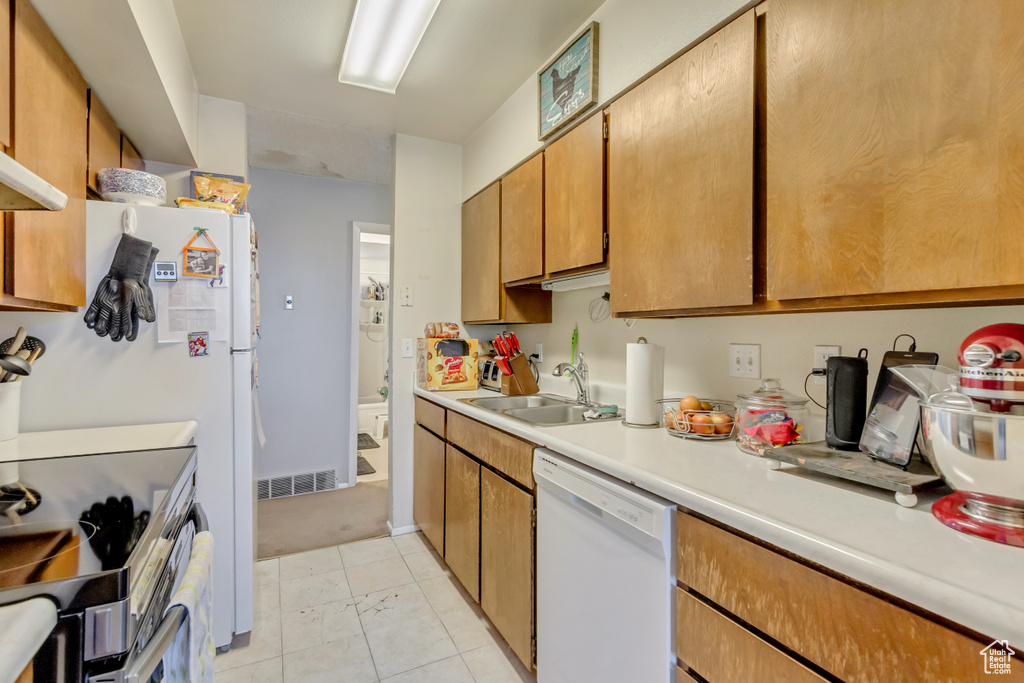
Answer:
(384, 609)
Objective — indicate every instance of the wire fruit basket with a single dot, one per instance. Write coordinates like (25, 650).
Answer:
(715, 421)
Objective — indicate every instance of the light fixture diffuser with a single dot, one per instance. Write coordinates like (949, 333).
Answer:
(382, 40)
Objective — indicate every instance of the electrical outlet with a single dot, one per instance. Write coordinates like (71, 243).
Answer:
(745, 360)
(821, 356)
(407, 348)
(539, 351)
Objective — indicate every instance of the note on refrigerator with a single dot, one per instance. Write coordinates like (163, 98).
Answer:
(191, 305)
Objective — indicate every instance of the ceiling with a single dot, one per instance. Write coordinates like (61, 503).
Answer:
(285, 56)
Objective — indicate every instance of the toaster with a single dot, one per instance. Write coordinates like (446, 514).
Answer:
(490, 374)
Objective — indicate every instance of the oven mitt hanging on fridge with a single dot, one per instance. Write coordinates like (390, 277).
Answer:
(113, 297)
(138, 301)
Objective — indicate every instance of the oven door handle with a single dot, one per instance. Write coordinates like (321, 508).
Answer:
(142, 666)
(198, 517)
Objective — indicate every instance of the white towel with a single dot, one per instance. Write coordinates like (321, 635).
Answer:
(195, 594)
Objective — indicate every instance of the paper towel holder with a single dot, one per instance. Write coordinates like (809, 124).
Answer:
(656, 425)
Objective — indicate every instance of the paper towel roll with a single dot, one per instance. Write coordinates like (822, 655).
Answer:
(645, 383)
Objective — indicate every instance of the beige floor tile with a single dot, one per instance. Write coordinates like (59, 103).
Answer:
(267, 671)
(376, 576)
(411, 543)
(318, 625)
(451, 670)
(392, 606)
(264, 643)
(409, 644)
(310, 563)
(489, 664)
(425, 565)
(267, 600)
(319, 589)
(365, 552)
(268, 571)
(465, 621)
(345, 660)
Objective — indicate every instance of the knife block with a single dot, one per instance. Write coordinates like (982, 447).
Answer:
(521, 380)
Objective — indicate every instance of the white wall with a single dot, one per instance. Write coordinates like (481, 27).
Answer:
(426, 243)
(305, 231)
(635, 36)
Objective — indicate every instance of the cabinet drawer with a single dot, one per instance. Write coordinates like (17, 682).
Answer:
(722, 651)
(851, 633)
(504, 452)
(430, 415)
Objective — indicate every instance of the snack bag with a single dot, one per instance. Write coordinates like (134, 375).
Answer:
(211, 188)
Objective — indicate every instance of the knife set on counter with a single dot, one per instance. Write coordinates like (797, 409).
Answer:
(516, 374)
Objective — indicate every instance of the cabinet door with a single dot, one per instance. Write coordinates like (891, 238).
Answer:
(129, 157)
(894, 138)
(428, 486)
(462, 518)
(5, 74)
(681, 180)
(45, 255)
(481, 257)
(574, 198)
(104, 140)
(507, 561)
(522, 222)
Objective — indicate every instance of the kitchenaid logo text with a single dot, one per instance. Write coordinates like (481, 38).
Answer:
(1004, 374)
(997, 657)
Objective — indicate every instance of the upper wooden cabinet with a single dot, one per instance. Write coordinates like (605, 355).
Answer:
(484, 297)
(129, 157)
(104, 141)
(574, 198)
(522, 222)
(44, 260)
(895, 138)
(5, 74)
(681, 180)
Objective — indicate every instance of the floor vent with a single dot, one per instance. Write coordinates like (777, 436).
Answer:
(296, 484)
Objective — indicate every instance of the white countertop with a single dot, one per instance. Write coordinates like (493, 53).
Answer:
(855, 530)
(55, 444)
(23, 629)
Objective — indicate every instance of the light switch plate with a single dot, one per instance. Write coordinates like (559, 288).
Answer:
(407, 348)
(745, 360)
(407, 296)
(165, 271)
(289, 302)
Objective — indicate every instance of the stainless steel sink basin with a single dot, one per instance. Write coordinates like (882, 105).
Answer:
(551, 416)
(499, 403)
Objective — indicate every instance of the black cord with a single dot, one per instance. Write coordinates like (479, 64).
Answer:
(913, 342)
(819, 372)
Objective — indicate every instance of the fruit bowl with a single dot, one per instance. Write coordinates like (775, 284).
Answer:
(713, 420)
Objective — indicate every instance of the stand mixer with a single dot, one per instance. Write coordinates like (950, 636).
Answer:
(974, 437)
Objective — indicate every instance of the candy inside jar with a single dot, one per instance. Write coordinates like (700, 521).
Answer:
(769, 417)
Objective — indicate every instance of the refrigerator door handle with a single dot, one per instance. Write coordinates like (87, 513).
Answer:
(247, 350)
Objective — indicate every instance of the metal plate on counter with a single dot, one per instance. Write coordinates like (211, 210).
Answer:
(857, 466)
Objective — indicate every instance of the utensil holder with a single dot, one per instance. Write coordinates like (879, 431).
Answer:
(10, 410)
(521, 381)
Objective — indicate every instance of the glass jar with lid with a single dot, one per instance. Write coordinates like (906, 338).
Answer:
(769, 417)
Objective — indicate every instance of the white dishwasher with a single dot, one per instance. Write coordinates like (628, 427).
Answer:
(605, 577)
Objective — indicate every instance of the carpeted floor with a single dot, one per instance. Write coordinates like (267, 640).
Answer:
(318, 520)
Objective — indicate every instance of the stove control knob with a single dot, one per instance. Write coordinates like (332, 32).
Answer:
(979, 355)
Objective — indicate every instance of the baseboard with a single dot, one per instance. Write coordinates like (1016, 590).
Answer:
(344, 486)
(402, 529)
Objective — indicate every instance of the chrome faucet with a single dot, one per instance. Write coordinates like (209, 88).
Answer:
(580, 375)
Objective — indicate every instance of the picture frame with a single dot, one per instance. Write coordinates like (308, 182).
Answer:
(199, 261)
(567, 85)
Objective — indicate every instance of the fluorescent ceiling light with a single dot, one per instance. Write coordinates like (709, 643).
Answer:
(381, 41)
(600, 278)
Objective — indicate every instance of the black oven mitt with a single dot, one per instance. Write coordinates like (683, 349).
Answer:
(138, 304)
(120, 294)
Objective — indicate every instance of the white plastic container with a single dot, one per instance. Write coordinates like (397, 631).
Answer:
(10, 410)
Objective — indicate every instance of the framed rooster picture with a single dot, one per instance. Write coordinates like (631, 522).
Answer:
(567, 86)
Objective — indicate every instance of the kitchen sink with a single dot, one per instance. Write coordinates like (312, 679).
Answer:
(499, 403)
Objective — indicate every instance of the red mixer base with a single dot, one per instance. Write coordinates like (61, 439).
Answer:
(947, 510)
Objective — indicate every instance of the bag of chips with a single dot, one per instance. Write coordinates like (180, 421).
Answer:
(212, 188)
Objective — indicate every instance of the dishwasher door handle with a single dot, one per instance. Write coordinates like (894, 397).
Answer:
(586, 505)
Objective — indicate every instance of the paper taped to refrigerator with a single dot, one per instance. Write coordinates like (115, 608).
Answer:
(189, 306)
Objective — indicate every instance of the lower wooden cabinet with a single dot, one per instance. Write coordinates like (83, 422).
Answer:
(428, 486)
(462, 518)
(507, 561)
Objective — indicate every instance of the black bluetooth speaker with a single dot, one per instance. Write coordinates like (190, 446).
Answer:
(845, 408)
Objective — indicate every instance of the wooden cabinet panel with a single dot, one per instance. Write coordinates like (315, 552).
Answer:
(428, 486)
(129, 157)
(681, 180)
(507, 561)
(45, 250)
(481, 256)
(895, 132)
(511, 456)
(430, 415)
(853, 634)
(104, 141)
(462, 519)
(574, 198)
(5, 73)
(522, 222)
(722, 651)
